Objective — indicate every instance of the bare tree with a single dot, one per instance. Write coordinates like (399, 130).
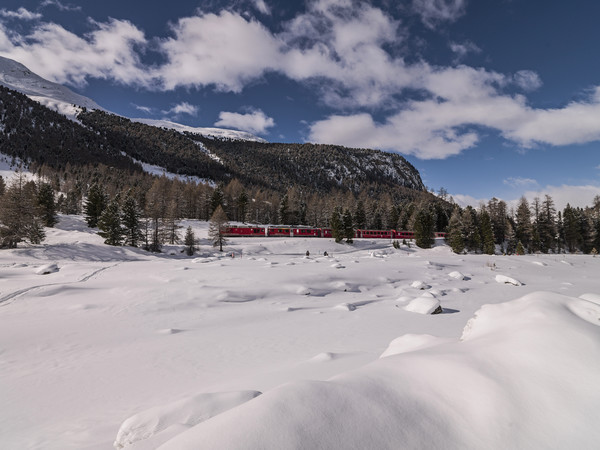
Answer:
(216, 230)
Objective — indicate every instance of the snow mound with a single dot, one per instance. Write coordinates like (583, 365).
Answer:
(456, 275)
(595, 298)
(419, 285)
(539, 263)
(423, 305)
(345, 307)
(325, 356)
(507, 280)
(410, 343)
(187, 413)
(525, 375)
(47, 269)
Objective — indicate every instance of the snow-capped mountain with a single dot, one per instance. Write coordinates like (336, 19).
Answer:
(16, 76)
(210, 132)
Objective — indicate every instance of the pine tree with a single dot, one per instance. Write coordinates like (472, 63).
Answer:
(511, 239)
(336, 225)
(520, 249)
(95, 205)
(471, 234)
(131, 221)
(455, 232)
(217, 199)
(242, 205)
(19, 219)
(216, 229)
(487, 234)
(571, 228)
(547, 225)
(360, 217)
(523, 223)
(109, 224)
(348, 226)
(284, 208)
(47, 205)
(190, 242)
(424, 228)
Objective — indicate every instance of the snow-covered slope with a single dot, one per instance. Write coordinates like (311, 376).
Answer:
(183, 345)
(214, 132)
(16, 76)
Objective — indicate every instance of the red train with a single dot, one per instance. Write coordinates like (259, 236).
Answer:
(288, 231)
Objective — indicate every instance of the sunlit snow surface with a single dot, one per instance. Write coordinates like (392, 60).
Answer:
(102, 345)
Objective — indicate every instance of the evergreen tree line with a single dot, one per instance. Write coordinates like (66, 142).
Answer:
(530, 228)
(26, 207)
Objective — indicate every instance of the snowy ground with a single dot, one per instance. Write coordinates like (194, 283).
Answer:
(115, 345)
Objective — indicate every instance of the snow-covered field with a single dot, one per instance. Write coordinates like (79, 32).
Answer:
(102, 345)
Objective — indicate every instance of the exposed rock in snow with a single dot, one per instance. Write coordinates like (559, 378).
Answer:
(47, 269)
(424, 305)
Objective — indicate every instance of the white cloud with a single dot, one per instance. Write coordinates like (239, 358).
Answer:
(256, 121)
(224, 50)
(463, 49)
(145, 109)
(434, 12)
(519, 182)
(183, 108)
(108, 52)
(61, 6)
(528, 80)
(21, 13)
(262, 6)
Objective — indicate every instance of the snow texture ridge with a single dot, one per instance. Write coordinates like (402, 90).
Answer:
(447, 396)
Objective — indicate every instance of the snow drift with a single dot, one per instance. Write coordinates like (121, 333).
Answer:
(510, 381)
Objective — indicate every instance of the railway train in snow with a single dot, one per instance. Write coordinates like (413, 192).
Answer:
(309, 232)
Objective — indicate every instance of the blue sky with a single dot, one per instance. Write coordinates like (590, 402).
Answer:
(495, 98)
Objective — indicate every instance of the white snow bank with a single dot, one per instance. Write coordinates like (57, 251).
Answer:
(595, 298)
(507, 280)
(184, 413)
(417, 284)
(47, 269)
(423, 305)
(457, 275)
(410, 343)
(524, 375)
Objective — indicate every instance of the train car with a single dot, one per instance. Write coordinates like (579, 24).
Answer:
(404, 235)
(439, 234)
(374, 234)
(326, 233)
(306, 232)
(244, 232)
(279, 231)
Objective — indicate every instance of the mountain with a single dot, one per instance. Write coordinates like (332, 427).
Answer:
(32, 130)
(17, 77)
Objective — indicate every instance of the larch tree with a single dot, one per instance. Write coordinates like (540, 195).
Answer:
(217, 228)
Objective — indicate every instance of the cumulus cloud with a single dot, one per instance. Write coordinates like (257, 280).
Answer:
(107, 52)
(183, 108)
(225, 50)
(434, 12)
(21, 13)
(256, 121)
